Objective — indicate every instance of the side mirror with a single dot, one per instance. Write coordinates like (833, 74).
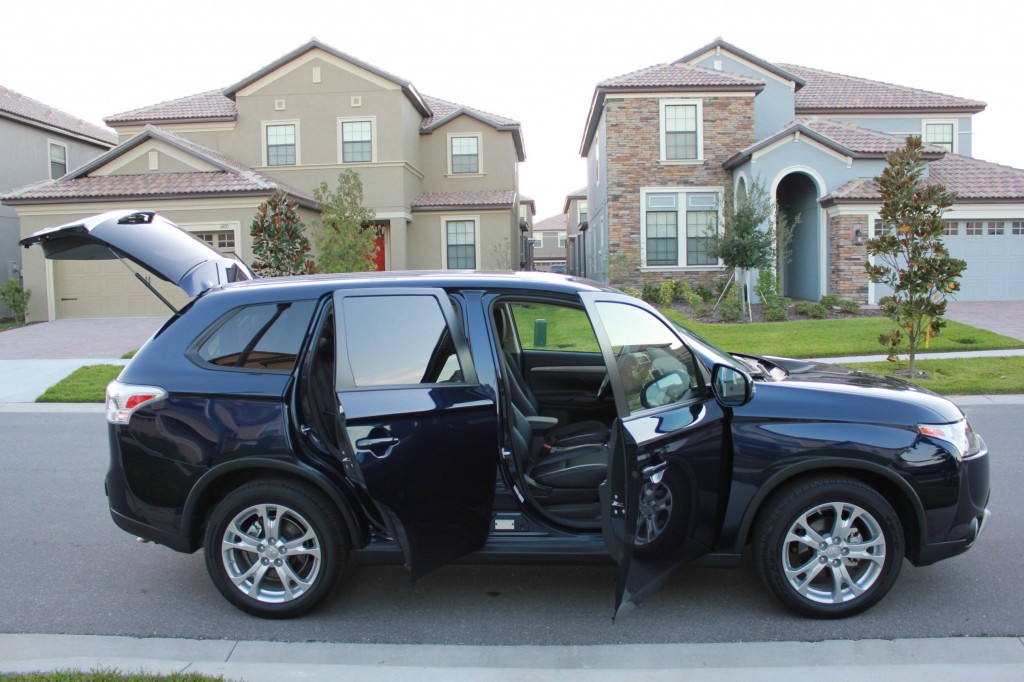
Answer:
(664, 390)
(732, 387)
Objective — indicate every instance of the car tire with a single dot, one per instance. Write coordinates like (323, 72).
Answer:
(661, 517)
(275, 548)
(828, 547)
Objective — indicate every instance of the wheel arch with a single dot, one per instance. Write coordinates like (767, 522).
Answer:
(219, 481)
(890, 485)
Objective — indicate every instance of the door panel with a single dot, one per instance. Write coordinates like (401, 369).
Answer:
(568, 383)
(669, 458)
(419, 434)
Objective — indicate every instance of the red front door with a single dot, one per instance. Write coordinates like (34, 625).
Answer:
(378, 260)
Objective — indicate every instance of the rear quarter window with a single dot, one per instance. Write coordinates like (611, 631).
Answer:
(265, 337)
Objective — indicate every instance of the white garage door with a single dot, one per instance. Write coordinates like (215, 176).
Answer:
(994, 251)
(107, 289)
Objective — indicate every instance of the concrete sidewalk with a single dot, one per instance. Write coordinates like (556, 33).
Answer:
(935, 660)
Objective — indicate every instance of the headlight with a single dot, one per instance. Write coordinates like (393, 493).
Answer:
(958, 434)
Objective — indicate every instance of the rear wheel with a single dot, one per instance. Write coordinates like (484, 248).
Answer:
(275, 548)
(828, 547)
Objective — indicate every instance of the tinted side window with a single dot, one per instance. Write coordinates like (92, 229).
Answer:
(266, 336)
(398, 340)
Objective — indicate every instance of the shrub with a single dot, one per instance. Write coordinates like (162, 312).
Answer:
(730, 309)
(651, 293)
(774, 313)
(803, 307)
(829, 300)
(706, 294)
(667, 295)
(631, 291)
(818, 311)
(15, 297)
(849, 306)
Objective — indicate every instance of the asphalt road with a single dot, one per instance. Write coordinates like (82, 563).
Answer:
(66, 569)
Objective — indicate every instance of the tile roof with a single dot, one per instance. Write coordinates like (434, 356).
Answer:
(443, 110)
(554, 223)
(443, 200)
(972, 180)
(22, 107)
(232, 178)
(826, 91)
(211, 105)
(681, 76)
(844, 138)
(720, 44)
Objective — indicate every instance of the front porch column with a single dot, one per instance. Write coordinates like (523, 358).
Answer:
(399, 258)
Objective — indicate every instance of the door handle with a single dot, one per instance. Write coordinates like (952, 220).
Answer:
(379, 447)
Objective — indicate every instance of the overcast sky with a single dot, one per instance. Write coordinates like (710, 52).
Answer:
(533, 60)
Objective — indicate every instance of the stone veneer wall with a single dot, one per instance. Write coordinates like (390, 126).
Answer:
(847, 276)
(633, 160)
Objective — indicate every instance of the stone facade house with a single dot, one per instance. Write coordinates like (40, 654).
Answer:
(441, 178)
(668, 145)
(40, 143)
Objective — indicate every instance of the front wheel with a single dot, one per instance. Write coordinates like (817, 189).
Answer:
(275, 549)
(828, 547)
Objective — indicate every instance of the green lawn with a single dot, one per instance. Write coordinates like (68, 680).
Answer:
(833, 338)
(84, 385)
(7, 324)
(106, 676)
(962, 376)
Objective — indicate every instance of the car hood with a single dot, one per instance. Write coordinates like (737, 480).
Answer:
(147, 239)
(840, 391)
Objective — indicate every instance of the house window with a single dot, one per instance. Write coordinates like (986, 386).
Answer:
(356, 141)
(582, 209)
(681, 131)
(561, 240)
(1017, 228)
(538, 241)
(281, 144)
(58, 160)
(465, 154)
(974, 228)
(662, 238)
(950, 228)
(879, 228)
(461, 244)
(996, 228)
(701, 227)
(222, 240)
(940, 134)
(665, 214)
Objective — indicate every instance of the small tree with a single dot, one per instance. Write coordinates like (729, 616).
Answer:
(754, 232)
(15, 297)
(279, 244)
(344, 244)
(910, 257)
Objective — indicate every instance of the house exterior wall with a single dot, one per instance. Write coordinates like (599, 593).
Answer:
(596, 246)
(913, 124)
(847, 256)
(26, 159)
(496, 244)
(633, 158)
(773, 106)
(497, 158)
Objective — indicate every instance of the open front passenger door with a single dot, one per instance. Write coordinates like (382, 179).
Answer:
(668, 462)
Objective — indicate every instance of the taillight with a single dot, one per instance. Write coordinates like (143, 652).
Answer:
(124, 399)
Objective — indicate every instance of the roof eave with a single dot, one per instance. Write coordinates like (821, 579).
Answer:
(57, 129)
(462, 207)
(825, 111)
(169, 121)
(746, 56)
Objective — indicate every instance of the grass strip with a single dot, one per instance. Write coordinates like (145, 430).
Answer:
(962, 376)
(84, 385)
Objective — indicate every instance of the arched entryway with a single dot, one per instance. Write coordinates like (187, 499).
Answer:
(797, 194)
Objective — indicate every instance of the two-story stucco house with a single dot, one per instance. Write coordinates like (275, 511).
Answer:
(441, 178)
(39, 143)
(667, 145)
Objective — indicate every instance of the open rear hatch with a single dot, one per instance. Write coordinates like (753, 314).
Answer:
(147, 239)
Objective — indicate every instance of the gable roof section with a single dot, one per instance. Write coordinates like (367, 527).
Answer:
(675, 77)
(831, 93)
(973, 180)
(410, 91)
(447, 201)
(205, 106)
(443, 111)
(556, 223)
(231, 178)
(849, 140)
(18, 107)
(579, 195)
(719, 45)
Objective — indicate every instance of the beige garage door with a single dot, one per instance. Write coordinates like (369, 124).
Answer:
(107, 289)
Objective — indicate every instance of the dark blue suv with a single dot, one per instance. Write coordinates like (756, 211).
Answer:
(288, 425)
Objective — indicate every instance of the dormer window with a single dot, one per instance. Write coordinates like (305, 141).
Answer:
(58, 159)
(464, 155)
(940, 134)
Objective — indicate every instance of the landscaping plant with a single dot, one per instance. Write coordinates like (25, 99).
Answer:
(909, 257)
(344, 241)
(15, 297)
(279, 244)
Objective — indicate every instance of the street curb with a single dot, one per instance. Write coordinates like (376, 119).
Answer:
(940, 659)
